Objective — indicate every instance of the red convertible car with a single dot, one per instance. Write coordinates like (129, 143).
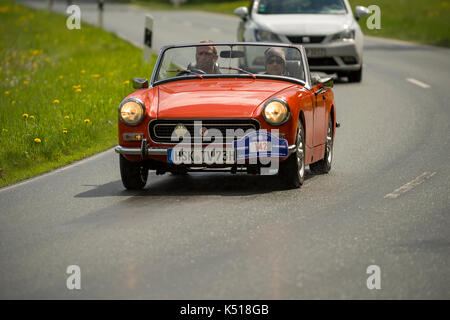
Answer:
(206, 109)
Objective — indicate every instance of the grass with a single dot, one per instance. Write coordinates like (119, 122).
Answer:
(59, 90)
(412, 20)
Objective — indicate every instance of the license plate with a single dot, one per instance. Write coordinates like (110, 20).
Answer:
(315, 52)
(260, 146)
(188, 155)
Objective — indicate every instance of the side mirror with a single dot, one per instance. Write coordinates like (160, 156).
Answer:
(241, 12)
(140, 83)
(361, 12)
(327, 82)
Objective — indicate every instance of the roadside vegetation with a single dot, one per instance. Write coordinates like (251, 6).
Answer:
(412, 20)
(59, 90)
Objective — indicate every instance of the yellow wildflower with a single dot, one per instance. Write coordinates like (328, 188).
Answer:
(56, 101)
(25, 116)
(126, 82)
(83, 71)
(76, 86)
(64, 130)
(32, 117)
(66, 117)
(87, 120)
(37, 140)
(25, 82)
(13, 102)
(78, 90)
(96, 76)
(35, 52)
(60, 77)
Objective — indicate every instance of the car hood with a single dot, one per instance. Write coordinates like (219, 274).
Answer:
(215, 98)
(304, 24)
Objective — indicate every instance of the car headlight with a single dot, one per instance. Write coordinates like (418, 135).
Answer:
(131, 111)
(276, 111)
(266, 36)
(345, 35)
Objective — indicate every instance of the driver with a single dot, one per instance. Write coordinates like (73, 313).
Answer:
(275, 61)
(206, 57)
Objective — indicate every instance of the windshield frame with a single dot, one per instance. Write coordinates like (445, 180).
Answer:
(306, 83)
(258, 2)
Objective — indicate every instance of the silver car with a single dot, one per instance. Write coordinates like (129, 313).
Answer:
(326, 28)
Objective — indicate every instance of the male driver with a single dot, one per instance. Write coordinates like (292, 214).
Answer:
(206, 57)
(275, 61)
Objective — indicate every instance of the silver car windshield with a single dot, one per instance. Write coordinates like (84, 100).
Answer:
(255, 61)
(301, 7)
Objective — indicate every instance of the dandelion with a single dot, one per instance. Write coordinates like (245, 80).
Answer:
(25, 82)
(66, 117)
(32, 117)
(87, 120)
(83, 71)
(6, 92)
(126, 82)
(13, 102)
(78, 90)
(61, 77)
(56, 101)
(64, 131)
(37, 140)
(35, 52)
(96, 76)
(25, 116)
(76, 86)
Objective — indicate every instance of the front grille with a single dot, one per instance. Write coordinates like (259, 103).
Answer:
(161, 130)
(304, 39)
(320, 62)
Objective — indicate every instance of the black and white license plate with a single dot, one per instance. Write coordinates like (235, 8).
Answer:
(186, 155)
(315, 52)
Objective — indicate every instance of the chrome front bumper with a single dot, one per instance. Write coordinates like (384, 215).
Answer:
(162, 151)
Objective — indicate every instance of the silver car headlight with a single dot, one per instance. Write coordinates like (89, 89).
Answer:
(344, 35)
(266, 36)
(131, 111)
(276, 111)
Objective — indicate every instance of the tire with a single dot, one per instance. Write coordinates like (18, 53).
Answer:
(134, 174)
(292, 170)
(324, 165)
(355, 76)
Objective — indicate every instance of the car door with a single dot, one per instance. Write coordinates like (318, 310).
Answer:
(319, 115)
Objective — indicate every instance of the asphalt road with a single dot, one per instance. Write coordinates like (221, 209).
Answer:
(222, 236)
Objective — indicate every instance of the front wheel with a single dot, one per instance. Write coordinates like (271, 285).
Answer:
(355, 76)
(292, 170)
(324, 165)
(134, 174)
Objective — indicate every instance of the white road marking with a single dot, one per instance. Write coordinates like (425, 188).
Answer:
(418, 83)
(410, 185)
(50, 173)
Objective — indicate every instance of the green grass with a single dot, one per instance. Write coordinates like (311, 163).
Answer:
(412, 20)
(60, 86)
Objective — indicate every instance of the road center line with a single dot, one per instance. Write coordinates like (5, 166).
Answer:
(418, 83)
(410, 185)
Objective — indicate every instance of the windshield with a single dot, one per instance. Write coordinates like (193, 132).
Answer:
(302, 7)
(209, 60)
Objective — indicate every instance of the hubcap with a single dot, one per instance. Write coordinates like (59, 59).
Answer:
(300, 155)
(329, 143)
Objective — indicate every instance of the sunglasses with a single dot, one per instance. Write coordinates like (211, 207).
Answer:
(277, 61)
(205, 53)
